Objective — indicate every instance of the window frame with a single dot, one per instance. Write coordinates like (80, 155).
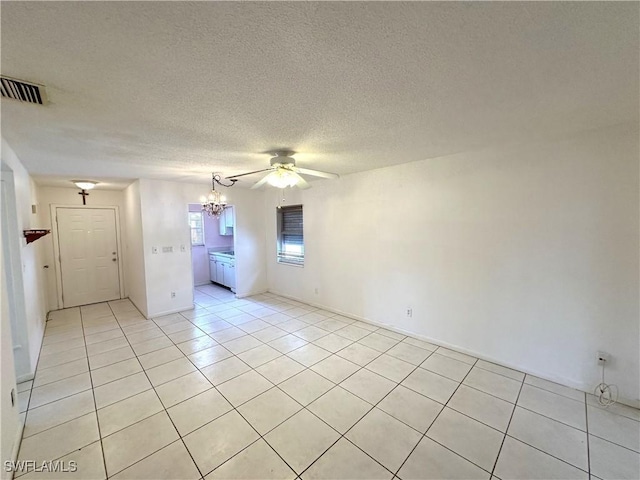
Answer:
(289, 258)
(191, 229)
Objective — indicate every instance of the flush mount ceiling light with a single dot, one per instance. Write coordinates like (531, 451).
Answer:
(284, 173)
(84, 184)
(215, 203)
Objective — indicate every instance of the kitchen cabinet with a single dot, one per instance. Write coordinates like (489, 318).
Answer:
(222, 270)
(213, 272)
(226, 221)
(230, 276)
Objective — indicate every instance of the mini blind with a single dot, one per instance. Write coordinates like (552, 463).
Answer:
(291, 238)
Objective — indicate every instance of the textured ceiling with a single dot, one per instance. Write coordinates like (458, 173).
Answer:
(175, 90)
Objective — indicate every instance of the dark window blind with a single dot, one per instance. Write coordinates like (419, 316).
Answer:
(291, 238)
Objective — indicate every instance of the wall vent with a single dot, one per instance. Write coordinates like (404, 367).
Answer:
(25, 92)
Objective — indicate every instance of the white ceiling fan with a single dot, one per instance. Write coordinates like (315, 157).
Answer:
(284, 173)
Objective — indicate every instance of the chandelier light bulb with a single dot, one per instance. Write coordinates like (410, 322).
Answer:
(215, 203)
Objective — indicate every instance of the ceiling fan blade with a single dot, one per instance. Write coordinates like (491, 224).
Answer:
(262, 181)
(249, 173)
(302, 183)
(315, 173)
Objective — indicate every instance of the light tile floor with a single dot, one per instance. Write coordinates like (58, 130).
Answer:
(266, 387)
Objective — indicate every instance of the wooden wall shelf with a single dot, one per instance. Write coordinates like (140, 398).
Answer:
(34, 234)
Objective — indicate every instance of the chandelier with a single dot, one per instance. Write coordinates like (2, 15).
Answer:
(215, 203)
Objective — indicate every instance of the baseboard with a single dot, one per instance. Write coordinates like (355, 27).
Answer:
(18, 439)
(250, 294)
(26, 377)
(581, 386)
(34, 364)
(138, 307)
(169, 312)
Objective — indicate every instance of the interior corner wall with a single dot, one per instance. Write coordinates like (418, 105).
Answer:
(526, 256)
(48, 196)
(135, 278)
(31, 255)
(165, 224)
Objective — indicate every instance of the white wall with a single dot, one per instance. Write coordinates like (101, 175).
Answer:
(31, 256)
(165, 223)
(526, 256)
(135, 278)
(48, 196)
(8, 413)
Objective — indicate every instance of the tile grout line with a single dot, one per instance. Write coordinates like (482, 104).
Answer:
(254, 368)
(513, 412)
(436, 419)
(548, 454)
(586, 420)
(26, 411)
(373, 406)
(164, 410)
(537, 448)
(277, 385)
(68, 396)
(235, 409)
(93, 393)
(306, 368)
(303, 408)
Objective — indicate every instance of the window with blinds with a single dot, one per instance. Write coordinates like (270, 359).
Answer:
(290, 236)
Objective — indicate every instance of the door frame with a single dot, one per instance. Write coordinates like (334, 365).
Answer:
(56, 245)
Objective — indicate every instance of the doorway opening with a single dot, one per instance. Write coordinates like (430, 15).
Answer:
(213, 257)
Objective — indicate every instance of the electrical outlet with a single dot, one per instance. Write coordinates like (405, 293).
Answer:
(183, 248)
(154, 250)
(602, 357)
(409, 312)
(167, 249)
(316, 291)
(173, 294)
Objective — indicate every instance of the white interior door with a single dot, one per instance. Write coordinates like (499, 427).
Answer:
(88, 255)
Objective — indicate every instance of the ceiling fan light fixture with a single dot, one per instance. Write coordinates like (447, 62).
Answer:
(283, 173)
(282, 178)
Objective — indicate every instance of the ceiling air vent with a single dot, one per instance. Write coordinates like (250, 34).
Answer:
(25, 92)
